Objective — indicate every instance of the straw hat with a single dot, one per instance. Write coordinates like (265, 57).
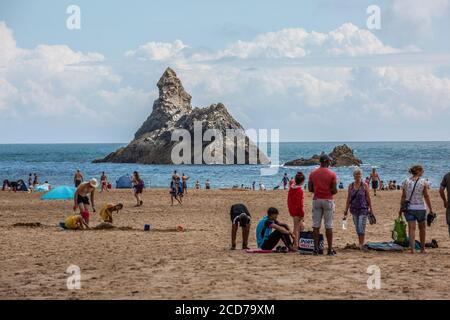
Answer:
(93, 182)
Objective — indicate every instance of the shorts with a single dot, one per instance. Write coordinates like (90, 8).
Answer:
(138, 189)
(323, 209)
(83, 200)
(85, 215)
(416, 215)
(360, 222)
(77, 183)
(448, 216)
(375, 184)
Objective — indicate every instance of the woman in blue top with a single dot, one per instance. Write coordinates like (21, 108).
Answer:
(270, 231)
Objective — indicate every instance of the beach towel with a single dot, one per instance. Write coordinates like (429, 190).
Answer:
(260, 251)
(384, 246)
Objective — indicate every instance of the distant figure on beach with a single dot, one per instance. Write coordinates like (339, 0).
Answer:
(197, 185)
(35, 180)
(253, 185)
(81, 198)
(30, 181)
(173, 191)
(445, 185)
(180, 188)
(270, 231)
(359, 203)
(175, 175)
(103, 182)
(295, 202)
(184, 179)
(382, 186)
(375, 178)
(341, 186)
(207, 184)
(240, 216)
(75, 222)
(107, 211)
(6, 185)
(138, 188)
(323, 183)
(285, 181)
(78, 178)
(262, 187)
(414, 198)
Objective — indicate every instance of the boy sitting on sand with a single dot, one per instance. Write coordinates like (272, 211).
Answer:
(240, 217)
(107, 210)
(75, 222)
(270, 231)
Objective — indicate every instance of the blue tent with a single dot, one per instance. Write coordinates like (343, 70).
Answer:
(60, 193)
(124, 182)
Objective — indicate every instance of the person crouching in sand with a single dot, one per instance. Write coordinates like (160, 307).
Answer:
(75, 222)
(240, 216)
(359, 203)
(295, 203)
(270, 231)
(81, 198)
(107, 210)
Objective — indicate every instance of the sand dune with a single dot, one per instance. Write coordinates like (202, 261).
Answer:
(128, 263)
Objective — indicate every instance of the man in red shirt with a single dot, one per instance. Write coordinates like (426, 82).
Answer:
(322, 182)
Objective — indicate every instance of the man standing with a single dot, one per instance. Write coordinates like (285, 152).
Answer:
(77, 178)
(81, 198)
(285, 181)
(375, 178)
(322, 182)
(445, 184)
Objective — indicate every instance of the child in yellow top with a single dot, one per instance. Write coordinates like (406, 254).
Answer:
(107, 210)
(75, 222)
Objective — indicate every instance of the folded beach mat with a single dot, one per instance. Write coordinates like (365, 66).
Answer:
(384, 246)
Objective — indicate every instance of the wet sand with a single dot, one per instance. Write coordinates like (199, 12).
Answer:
(128, 263)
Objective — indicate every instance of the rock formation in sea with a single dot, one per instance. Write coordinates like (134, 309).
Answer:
(342, 156)
(152, 143)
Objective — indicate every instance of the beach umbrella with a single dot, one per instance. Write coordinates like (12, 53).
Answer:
(60, 193)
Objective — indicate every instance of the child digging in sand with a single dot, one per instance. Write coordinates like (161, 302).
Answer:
(107, 210)
(75, 222)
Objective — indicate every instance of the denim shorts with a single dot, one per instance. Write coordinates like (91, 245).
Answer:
(360, 222)
(416, 215)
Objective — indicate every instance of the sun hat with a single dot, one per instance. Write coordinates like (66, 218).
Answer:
(93, 182)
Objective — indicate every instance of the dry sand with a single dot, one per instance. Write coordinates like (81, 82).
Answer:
(197, 263)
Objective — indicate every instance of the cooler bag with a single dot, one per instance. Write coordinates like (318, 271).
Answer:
(306, 242)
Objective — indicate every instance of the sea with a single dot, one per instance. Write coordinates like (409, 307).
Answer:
(56, 163)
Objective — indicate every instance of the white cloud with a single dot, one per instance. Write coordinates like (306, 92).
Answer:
(158, 51)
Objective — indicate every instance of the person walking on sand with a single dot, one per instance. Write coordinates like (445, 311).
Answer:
(207, 184)
(173, 191)
(240, 216)
(30, 181)
(412, 204)
(375, 179)
(103, 182)
(445, 185)
(78, 178)
(270, 231)
(323, 184)
(197, 185)
(359, 203)
(138, 188)
(175, 175)
(184, 179)
(295, 201)
(285, 181)
(81, 198)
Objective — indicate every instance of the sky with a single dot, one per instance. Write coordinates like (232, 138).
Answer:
(312, 69)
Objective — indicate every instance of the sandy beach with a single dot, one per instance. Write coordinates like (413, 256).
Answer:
(128, 263)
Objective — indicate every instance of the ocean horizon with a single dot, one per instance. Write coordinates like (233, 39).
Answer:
(57, 162)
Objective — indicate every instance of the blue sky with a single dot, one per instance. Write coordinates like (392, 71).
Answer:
(309, 68)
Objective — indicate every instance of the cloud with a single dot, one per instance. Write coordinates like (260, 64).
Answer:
(158, 51)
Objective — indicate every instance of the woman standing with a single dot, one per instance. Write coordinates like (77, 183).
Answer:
(359, 203)
(414, 197)
(295, 202)
(138, 187)
(104, 182)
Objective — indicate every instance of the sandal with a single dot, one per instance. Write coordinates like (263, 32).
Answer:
(331, 252)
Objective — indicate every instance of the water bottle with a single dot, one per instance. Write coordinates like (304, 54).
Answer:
(344, 223)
